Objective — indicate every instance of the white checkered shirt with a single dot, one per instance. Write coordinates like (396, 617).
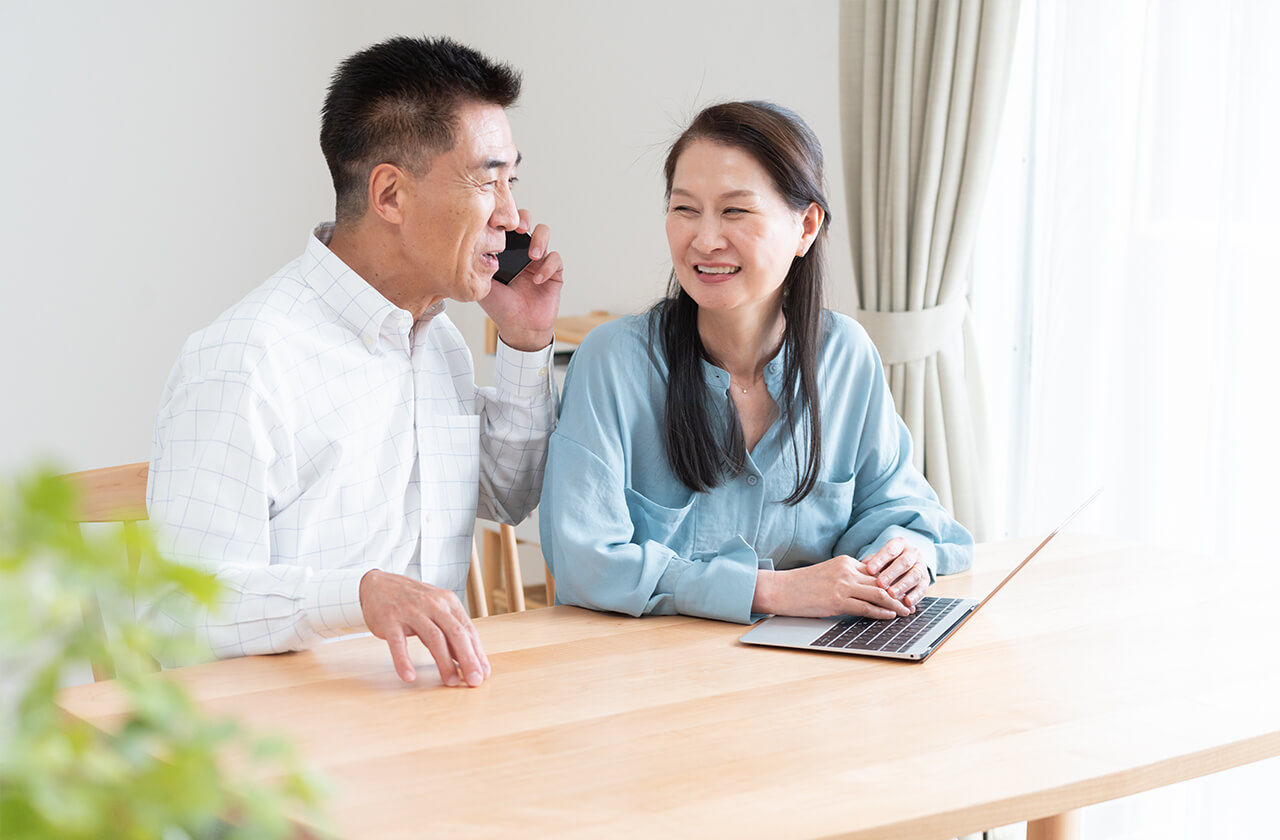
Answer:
(314, 432)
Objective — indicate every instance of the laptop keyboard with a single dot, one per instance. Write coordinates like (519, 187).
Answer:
(890, 636)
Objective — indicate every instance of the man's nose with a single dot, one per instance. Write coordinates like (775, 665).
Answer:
(506, 214)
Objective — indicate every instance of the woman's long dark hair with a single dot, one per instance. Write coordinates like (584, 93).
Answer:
(784, 145)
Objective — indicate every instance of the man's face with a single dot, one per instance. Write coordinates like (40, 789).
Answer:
(457, 214)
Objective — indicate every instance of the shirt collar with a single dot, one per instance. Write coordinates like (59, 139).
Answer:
(359, 306)
(717, 378)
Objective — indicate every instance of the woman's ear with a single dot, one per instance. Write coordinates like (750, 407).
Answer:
(810, 225)
(387, 184)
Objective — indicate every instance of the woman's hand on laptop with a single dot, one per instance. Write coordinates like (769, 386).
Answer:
(839, 586)
(900, 571)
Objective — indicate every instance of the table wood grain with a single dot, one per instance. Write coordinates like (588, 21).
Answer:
(1100, 671)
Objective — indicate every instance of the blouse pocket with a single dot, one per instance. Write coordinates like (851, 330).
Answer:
(821, 519)
(672, 527)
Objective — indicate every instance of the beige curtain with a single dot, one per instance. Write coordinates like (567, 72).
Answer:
(922, 89)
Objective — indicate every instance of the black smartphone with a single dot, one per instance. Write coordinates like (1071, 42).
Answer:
(513, 260)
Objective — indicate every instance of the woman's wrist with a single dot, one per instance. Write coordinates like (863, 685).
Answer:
(763, 601)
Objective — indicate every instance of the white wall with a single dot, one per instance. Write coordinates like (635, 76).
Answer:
(162, 160)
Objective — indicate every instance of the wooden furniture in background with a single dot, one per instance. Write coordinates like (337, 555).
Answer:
(500, 553)
(1089, 677)
(505, 589)
(111, 494)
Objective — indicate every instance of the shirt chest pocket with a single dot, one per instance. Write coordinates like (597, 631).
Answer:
(672, 527)
(449, 459)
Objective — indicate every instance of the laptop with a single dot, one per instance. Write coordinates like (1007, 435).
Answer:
(914, 637)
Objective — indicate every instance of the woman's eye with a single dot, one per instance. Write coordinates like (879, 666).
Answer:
(683, 209)
(733, 210)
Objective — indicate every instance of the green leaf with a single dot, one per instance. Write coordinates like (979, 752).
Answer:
(162, 771)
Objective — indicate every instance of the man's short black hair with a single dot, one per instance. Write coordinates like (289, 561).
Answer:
(397, 102)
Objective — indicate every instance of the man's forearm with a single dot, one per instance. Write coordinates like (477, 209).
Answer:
(272, 610)
(518, 416)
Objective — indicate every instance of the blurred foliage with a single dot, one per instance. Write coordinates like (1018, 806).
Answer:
(164, 770)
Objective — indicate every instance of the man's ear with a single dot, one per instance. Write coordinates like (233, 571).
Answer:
(387, 192)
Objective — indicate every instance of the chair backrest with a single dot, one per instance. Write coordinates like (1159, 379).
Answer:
(110, 494)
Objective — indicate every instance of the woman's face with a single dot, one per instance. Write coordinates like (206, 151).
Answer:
(731, 233)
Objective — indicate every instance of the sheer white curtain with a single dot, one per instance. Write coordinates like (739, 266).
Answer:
(1127, 275)
(1126, 286)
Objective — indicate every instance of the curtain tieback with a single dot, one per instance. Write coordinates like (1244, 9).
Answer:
(916, 334)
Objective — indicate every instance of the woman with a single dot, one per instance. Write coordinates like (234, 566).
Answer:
(735, 451)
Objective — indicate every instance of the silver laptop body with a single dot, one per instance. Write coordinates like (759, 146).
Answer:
(913, 637)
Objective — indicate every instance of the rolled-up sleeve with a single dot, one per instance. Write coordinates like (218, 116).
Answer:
(518, 414)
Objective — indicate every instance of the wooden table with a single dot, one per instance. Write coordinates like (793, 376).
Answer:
(1095, 674)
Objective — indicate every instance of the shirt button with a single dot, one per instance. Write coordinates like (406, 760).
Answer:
(368, 342)
(751, 479)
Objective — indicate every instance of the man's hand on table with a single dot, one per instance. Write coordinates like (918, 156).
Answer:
(396, 607)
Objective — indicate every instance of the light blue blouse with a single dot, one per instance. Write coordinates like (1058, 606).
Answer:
(621, 533)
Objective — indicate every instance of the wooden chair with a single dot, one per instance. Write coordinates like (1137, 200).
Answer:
(111, 494)
(507, 591)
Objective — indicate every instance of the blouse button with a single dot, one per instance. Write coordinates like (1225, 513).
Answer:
(751, 479)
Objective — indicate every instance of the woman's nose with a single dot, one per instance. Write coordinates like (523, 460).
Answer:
(708, 237)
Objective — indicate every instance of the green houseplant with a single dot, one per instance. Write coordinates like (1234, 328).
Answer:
(166, 771)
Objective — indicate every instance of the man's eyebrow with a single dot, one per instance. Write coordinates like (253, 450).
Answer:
(499, 163)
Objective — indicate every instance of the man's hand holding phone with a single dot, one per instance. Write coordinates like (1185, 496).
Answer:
(524, 300)
(514, 258)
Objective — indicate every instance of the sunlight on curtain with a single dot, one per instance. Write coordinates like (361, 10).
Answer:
(1126, 287)
(1126, 279)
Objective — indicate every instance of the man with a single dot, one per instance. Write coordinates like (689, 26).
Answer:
(322, 445)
